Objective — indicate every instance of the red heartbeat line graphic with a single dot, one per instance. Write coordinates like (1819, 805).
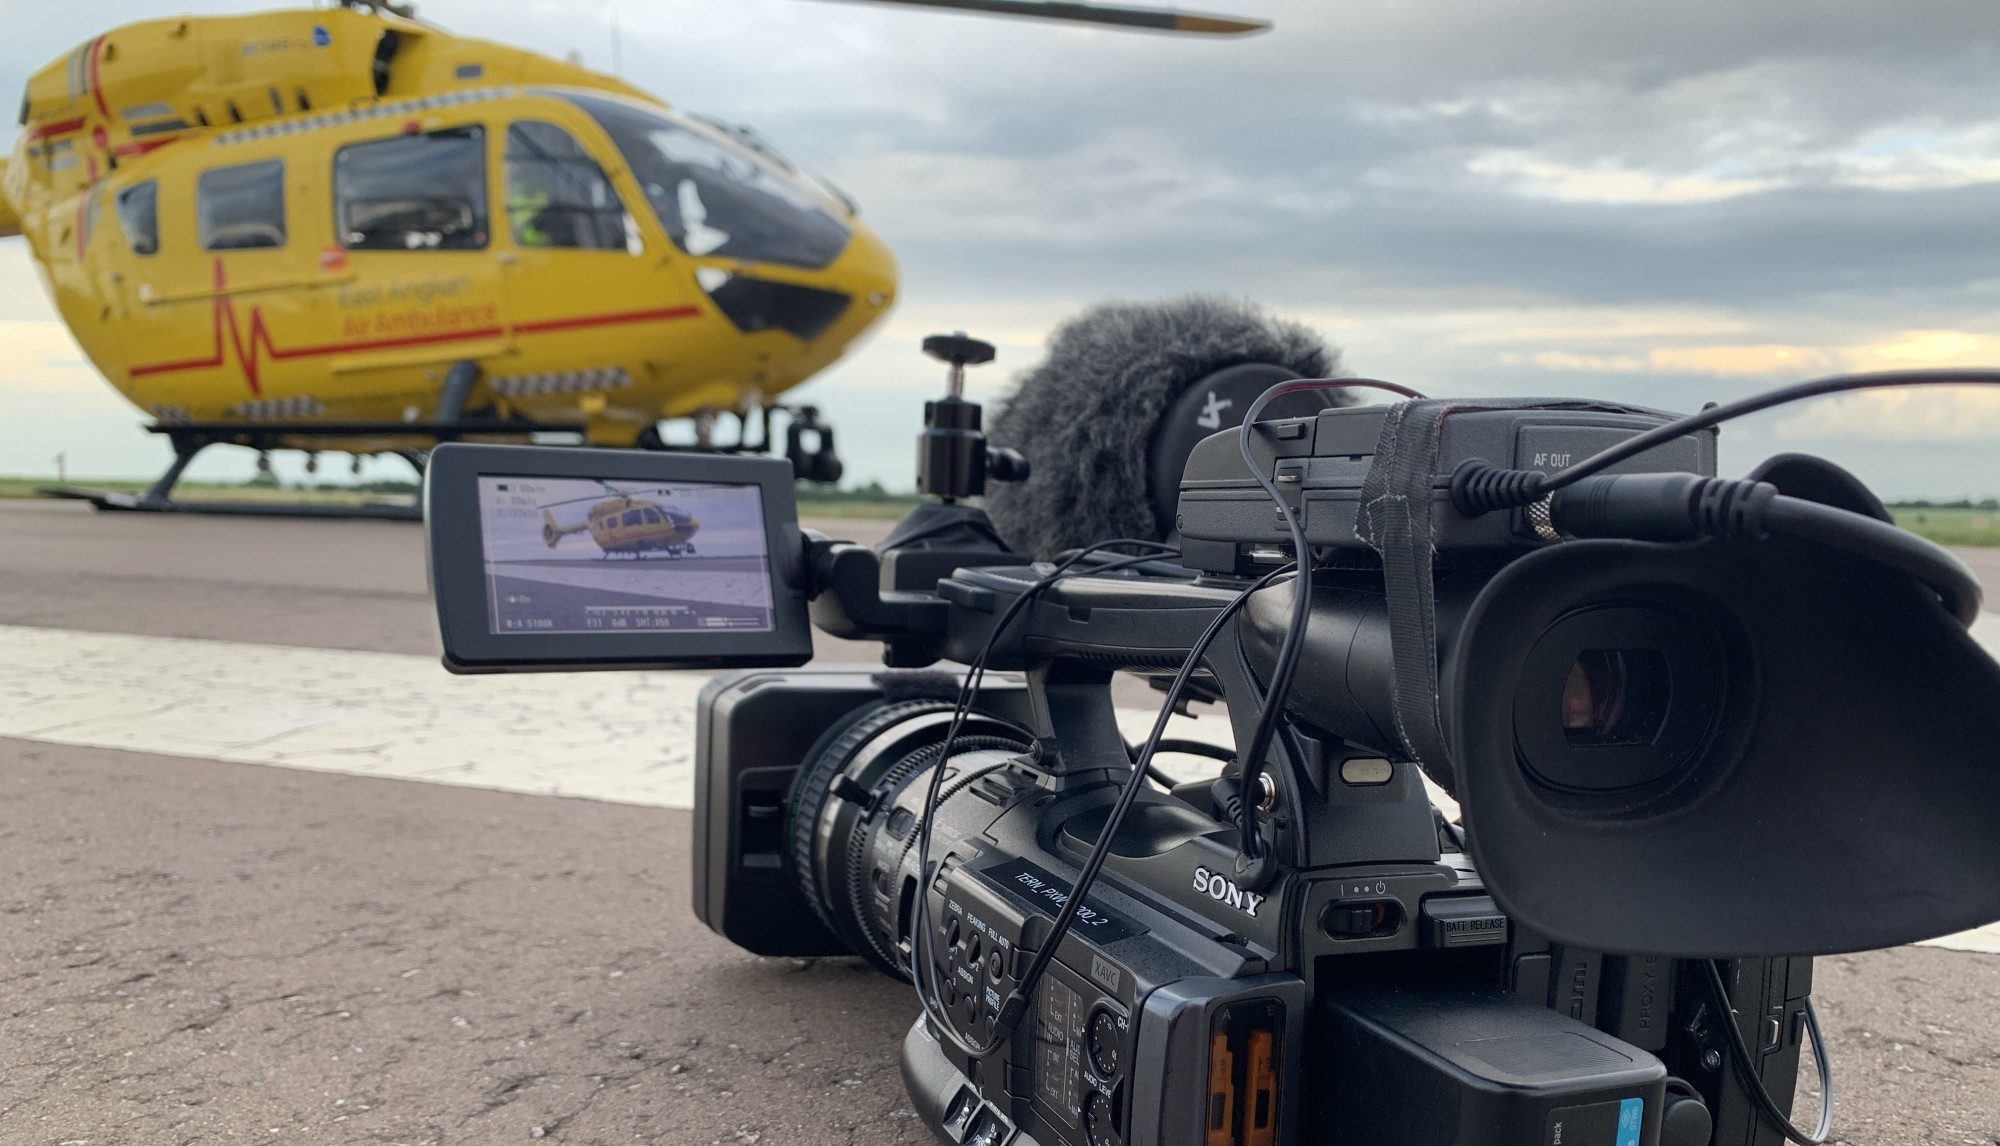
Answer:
(253, 346)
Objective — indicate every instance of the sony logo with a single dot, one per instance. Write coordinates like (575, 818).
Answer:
(1219, 888)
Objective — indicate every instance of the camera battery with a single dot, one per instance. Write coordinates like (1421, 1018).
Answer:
(1462, 1065)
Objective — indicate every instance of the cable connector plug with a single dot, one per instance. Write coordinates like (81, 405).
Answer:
(1661, 507)
(1227, 792)
(1479, 488)
(1010, 1014)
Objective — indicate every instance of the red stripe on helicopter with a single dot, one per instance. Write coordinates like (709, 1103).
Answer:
(141, 147)
(60, 127)
(97, 90)
(257, 345)
(587, 320)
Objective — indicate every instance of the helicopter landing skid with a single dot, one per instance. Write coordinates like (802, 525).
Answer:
(808, 443)
(674, 554)
(191, 438)
(113, 500)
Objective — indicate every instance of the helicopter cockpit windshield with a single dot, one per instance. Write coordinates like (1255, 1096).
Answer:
(715, 196)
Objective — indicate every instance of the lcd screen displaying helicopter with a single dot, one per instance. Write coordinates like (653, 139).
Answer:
(582, 555)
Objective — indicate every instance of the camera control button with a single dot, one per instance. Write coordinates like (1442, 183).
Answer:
(1366, 771)
(986, 1129)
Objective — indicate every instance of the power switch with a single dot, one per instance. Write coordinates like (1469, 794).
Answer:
(1371, 918)
(1349, 919)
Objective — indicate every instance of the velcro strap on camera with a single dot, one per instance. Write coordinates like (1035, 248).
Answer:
(1399, 503)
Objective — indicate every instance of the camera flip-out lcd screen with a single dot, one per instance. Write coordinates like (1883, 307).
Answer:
(569, 555)
(579, 559)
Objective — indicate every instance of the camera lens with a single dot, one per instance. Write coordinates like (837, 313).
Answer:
(854, 821)
(1615, 696)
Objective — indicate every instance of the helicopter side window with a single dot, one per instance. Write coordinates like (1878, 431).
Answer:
(241, 208)
(138, 208)
(412, 192)
(632, 517)
(558, 197)
(716, 196)
(652, 517)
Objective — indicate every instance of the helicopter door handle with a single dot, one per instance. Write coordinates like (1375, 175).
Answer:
(507, 258)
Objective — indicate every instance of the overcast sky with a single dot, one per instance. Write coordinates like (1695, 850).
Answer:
(1663, 203)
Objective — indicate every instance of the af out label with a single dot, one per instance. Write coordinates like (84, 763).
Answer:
(1041, 892)
(1616, 1123)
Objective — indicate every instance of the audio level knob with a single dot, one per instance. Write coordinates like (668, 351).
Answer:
(1103, 1040)
(1100, 1123)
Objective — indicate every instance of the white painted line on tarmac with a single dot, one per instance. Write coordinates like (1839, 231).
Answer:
(626, 737)
(621, 737)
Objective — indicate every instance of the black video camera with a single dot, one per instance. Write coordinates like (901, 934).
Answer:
(1701, 730)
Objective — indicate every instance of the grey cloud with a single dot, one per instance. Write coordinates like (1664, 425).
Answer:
(1354, 163)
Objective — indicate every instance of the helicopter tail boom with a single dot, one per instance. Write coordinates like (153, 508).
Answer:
(552, 533)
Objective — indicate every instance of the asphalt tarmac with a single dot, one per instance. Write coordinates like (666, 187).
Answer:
(194, 951)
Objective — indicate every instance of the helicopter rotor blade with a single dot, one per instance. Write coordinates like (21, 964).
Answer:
(609, 491)
(621, 491)
(1114, 15)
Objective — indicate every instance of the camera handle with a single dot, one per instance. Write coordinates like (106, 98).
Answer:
(887, 593)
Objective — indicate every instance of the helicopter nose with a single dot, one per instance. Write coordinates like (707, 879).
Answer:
(840, 300)
(872, 267)
(865, 274)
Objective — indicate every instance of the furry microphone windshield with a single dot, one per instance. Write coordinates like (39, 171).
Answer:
(1108, 418)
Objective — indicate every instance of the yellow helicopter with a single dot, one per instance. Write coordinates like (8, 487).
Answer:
(627, 524)
(350, 230)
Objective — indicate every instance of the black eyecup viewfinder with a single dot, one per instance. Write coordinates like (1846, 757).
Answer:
(1845, 794)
